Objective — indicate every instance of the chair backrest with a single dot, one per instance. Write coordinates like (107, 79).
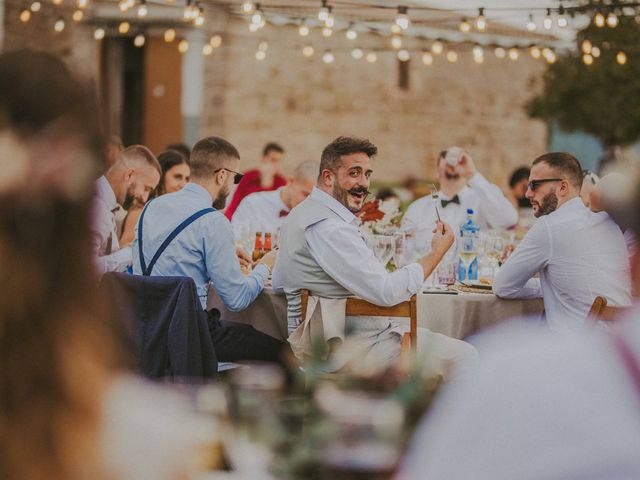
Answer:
(357, 307)
(600, 311)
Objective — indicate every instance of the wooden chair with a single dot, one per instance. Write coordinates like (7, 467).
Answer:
(601, 311)
(357, 307)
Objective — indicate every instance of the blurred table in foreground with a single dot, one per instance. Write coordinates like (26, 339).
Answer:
(457, 316)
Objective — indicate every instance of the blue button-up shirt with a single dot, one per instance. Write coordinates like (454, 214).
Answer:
(204, 251)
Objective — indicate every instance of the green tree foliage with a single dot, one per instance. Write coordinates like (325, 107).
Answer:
(603, 98)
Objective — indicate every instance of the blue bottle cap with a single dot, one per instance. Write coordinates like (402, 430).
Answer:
(469, 211)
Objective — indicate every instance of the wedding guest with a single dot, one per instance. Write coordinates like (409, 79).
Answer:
(205, 249)
(266, 177)
(323, 251)
(518, 188)
(578, 254)
(174, 176)
(266, 210)
(462, 187)
(131, 179)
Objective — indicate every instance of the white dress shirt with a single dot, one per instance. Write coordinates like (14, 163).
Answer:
(490, 207)
(262, 211)
(340, 249)
(108, 255)
(579, 254)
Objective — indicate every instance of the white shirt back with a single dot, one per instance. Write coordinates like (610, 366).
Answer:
(263, 211)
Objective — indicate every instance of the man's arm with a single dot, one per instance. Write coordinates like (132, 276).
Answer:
(515, 278)
(495, 209)
(101, 228)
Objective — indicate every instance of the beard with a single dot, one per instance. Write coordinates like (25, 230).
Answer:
(451, 176)
(129, 198)
(342, 195)
(221, 200)
(548, 205)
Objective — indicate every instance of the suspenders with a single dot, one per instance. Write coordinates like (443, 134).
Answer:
(146, 270)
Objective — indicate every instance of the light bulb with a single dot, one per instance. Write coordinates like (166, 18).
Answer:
(595, 52)
(330, 20)
(478, 51)
(478, 59)
(124, 28)
(621, 58)
(99, 33)
(56, 2)
(59, 25)
(562, 18)
(247, 7)
(123, 6)
(402, 19)
(599, 19)
(25, 16)
(351, 34)
(215, 41)
(263, 46)
(396, 41)
(371, 57)
(183, 46)
(437, 47)
(139, 41)
(452, 56)
(357, 53)
(427, 58)
(552, 58)
(82, 3)
(327, 32)
(143, 10)
(535, 52)
(587, 59)
(308, 51)
(531, 25)
(324, 11)
(77, 16)
(199, 21)
(303, 30)
(500, 52)
(260, 55)
(328, 57)
(464, 26)
(514, 54)
(612, 20)
(403, 55)
(256, 18)
(207, 49)
(395, 29)
(586, 46)
(481, 21)
(169, 35)
(548, 22)
(35, 7)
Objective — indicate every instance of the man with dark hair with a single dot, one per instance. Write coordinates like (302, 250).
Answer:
(323, 251)
(518, 188)
(133, 176)
(266, 177)
(462, 187)
(202, 247)
(579, 254)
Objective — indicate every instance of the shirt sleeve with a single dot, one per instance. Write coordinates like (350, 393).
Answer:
(243, 212)
(102, 227)
(515, 278)
(496, 209)
(342, 252)
(236, 290)
(419, 225)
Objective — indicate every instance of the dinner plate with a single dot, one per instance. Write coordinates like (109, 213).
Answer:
(476, 284)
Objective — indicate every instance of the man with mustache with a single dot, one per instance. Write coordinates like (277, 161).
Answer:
(461, 187)
(204, 249)
(323, 251)
(577, 253)
(135, 173)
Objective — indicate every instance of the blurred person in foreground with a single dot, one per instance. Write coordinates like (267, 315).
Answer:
(67, 411)
(541, 406)
(577, 253)
(127, 184)
(589, 184)
(175, 175)
(266, 210)
(323, 251)
(266, 177)
(462, 187)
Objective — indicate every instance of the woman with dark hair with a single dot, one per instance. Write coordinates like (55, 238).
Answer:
(175, 175)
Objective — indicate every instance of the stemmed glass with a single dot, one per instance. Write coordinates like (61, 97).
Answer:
(493, 247)
(384, 248)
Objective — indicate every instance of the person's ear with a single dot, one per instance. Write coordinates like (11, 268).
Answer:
(327, 177)
(129, 173)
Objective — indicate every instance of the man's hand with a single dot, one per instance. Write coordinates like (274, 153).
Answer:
(442, 239)
(270, 259)
(243, 258)
(466, 168)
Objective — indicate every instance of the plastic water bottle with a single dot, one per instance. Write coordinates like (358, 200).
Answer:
(468, 250)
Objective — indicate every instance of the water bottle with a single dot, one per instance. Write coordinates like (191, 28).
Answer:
(468, 249)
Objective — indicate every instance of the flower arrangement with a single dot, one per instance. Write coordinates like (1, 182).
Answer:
(380, 216)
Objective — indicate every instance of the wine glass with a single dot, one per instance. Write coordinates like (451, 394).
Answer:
(383, 248)
(399, 257)
(493, 248)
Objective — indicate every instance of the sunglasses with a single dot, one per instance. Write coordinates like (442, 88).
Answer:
(236, 176)
(533, 184)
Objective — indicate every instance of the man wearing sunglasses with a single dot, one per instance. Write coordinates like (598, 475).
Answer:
(185, 234)
(577, 253)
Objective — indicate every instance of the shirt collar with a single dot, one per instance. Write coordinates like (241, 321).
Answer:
(106, 193)
(199, 191)
(331, 203)
(572, 204)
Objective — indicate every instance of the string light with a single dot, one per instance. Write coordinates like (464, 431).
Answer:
(396, 42)
(351, 34)
(247, 7)
(139, 41)
(99, 33)
(215, 41)
(303, 30)
(35, 7)
(327, 32)
(331, 20)
(612, 19)
(199, 21)
(402, 19)
(437, 47)
(621, 58)
(308, 51)
(395, 29)
(547, 23)
(599, 19)
(403, 55)
(261, 55)
(82, 3)
(514, 54)
(124, 28)
(562, 18)
(207, 49)
(257, 18)
(59, 25)
(183, 46)
(323, 14)
(357, 53)
(481, 21)
(169, 35)
(465, 26)
(535, 52)
(478, 54)
(595, 52)
(549, 55)
(531, 25)
(142, 9)
(25, 16)
(586, 46)
(123, 5)
(587, 59)
(427, 58)
(371, 57)
(500, 52)
(77, 16)
(328, 57)
(452, 56)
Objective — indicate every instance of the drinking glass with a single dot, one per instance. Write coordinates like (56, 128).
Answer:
(493, 249)
(383, 248)
(399, 257)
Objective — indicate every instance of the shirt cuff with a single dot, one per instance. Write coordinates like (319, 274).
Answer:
(416, 277)
(261, 271)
